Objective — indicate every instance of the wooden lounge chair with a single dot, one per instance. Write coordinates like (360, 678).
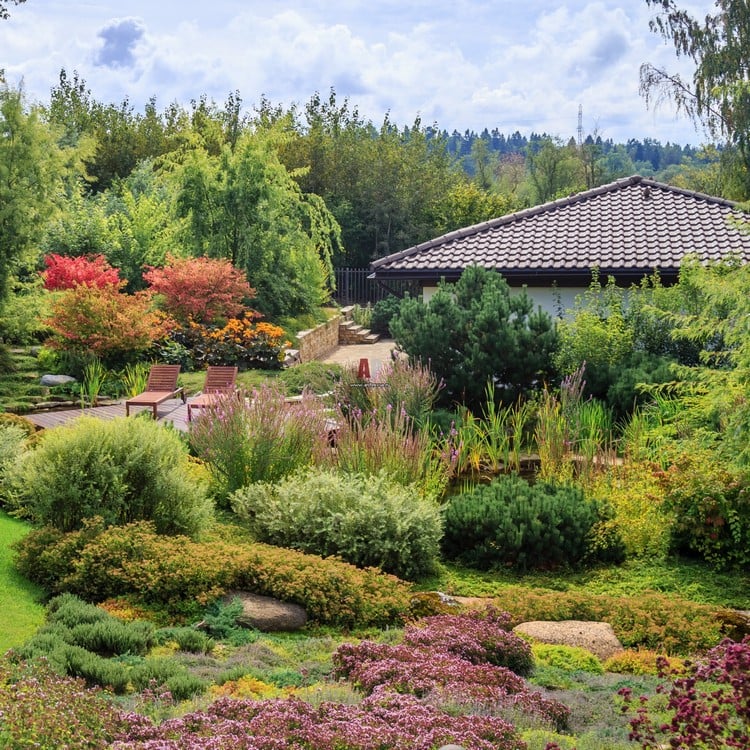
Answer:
(219, 382)
(161, 386)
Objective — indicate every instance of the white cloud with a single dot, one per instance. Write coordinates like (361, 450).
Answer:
(467, 64)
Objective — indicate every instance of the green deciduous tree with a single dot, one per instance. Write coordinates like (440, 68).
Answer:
(245, 207)
(474, 332)
(385, 185)
(32, 172)
(718, 97)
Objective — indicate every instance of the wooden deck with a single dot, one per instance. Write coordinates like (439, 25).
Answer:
(173, 411)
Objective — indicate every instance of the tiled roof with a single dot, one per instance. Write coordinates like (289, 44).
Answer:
(628, 227)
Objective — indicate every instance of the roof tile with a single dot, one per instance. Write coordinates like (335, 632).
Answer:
(633, 223)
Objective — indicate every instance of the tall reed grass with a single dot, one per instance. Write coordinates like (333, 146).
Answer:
(258, 436)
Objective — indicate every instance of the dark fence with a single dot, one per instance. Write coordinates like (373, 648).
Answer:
(354, 288)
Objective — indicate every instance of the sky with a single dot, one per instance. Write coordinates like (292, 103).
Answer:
(464, 65)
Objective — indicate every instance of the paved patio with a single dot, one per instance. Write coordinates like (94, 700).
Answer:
(175, 412)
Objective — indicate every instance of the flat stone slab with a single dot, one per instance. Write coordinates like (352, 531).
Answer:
(597, 637)
(266, 613)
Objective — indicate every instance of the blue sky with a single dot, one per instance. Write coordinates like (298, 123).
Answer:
(523, 66)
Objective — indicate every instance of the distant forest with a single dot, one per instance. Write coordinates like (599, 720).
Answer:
(648, 156)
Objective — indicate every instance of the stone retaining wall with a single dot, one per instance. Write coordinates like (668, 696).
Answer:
(319, 341)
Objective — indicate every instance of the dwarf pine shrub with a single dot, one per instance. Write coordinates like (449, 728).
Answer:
(511, 522)
(366, 520)
(122, 470)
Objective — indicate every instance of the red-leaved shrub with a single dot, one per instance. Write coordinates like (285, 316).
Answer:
(64, 272)
(201, 289)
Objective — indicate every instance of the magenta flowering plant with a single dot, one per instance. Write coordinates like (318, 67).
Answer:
(479, 636)
(709, 703)
(385, 720)
(451, 659)
(43, 710)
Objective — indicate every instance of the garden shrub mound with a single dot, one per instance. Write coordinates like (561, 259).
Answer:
(122, 470)
(510, 522)
(366, 520)
(181, 576)
(651, 620)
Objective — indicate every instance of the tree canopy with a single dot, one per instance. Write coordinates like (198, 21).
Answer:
(718, 97)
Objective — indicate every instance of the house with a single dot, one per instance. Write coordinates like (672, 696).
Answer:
(627, 229)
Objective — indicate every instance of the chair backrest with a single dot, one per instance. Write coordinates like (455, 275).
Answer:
(163, 377)
(220, 379)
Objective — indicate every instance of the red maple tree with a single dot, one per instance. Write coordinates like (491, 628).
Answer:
(204, 290)
(65, 272)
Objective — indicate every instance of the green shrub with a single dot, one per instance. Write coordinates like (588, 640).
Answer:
(220, 621)
(366, 520)
(638, 515)
(85, 625)
(182, 576)
(187, 639)
(568, 658)
(166, 673)
(710, 500)
(474, 332)
(12, 440)
(95, 669)
(71, 660)
(318, 377)
(22, 423)
(510, 522)
(69, 610)
(123, 470)
(382, 313)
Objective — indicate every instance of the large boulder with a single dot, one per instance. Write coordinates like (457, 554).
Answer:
(597, 637)
(266, 613)
(53, 380)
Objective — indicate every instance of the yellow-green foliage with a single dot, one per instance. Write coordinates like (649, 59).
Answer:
(180, 575)
(651, 620)
(639, 662)
(248, 687)
(16, 420)
(636, 497)
(569, 658)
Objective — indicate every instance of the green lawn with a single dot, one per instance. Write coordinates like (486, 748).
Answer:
(19, 599)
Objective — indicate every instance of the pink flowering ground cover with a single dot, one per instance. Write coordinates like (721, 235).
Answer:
(452, 659)
(383, 720)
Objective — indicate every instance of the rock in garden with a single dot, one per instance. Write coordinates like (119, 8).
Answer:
(52, 380)
(597, 637)
(266, 613)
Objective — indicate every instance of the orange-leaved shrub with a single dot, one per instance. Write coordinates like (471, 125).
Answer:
(640, 662)
(180, 575)
(105, 322)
